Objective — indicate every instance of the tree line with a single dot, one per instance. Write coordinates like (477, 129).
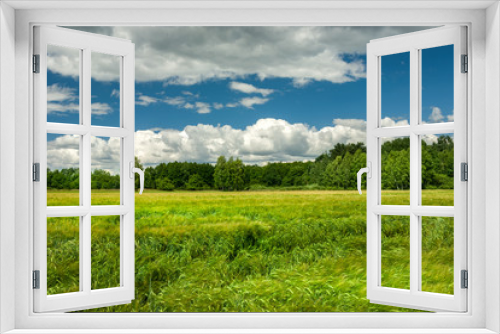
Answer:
(335, 169)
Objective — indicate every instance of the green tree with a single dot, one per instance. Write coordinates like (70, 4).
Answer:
(220, 174)
(196, 182)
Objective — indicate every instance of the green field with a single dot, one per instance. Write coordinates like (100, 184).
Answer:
(250, 251)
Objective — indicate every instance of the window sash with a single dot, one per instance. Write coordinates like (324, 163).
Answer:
(413, 43)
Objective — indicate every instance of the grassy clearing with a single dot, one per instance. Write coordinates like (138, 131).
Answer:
(254, 251)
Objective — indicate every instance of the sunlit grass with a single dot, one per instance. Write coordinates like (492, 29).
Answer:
(257, 251)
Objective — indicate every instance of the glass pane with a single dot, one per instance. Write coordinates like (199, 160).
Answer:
(437, 169)
(63, 169)
(437, 254)
(395, 167)
(63, 255)
(63, 84)
(395, 89)
(105, 152)
(105, 90)
(395, 246)
(105, 252)
(437, 84)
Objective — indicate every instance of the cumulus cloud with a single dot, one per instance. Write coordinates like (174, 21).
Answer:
(189, 55)
(267, 140)
(436, 115)
(249, 102)
(387, 122)
(249, 89)
(105, 154)
(63, 152)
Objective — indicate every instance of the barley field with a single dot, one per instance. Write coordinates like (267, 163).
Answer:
(250, 251)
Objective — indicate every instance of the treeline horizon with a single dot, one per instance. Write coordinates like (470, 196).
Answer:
(335, 169)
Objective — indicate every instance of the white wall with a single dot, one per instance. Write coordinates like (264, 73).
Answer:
(7, 159)
(492, 147)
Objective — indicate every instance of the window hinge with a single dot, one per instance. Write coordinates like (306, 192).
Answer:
(464, 167)
(36, 63)
(465, 279)
(465, 64)
(36, 279)
(36, 172)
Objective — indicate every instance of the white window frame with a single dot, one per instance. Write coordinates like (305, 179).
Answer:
(482, 19)
(414, 43)
(123, 50)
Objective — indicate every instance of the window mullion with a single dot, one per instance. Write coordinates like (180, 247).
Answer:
(414, 174)
(85, 175)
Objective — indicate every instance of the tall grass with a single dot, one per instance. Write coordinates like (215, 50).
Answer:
(254, 251)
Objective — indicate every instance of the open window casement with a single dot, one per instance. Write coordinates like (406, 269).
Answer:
(86, 293)
(417, 209)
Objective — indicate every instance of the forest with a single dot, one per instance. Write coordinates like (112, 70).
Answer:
(335, 169)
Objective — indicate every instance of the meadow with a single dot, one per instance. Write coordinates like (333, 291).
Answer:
(250, 251)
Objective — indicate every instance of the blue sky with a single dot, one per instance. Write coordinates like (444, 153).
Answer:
(260, 93)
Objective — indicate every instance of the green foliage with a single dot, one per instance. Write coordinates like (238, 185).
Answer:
(335, 169)
(254, 251)
(196, 182)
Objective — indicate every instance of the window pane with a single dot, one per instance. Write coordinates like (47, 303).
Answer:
(63, 170)
(63, 255)
(105, 252)
(437, 84)
(63, 84)
(395, 168)
(105, 179)
(437, 254)
(395, 89)
(395, 252)
(105, 90)
(437, 169)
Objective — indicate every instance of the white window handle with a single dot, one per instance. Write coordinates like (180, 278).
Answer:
(368, 171)
(138, 171)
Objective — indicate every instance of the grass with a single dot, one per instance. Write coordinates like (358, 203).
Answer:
(254, 251)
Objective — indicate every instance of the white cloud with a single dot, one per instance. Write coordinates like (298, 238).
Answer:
(144, 100)
(188, 106)
(106, 154)
(115, 93)
(63, 152)
(218, 105)
(175, 101)
(387, 122)
(436, 115)
(61, 100)
(100, 109)
(249, 102)
(450, 118)
(266, 140)
(188, 55)
(249, 89)
(231, 105)
(202, 108)
(357, 124)
(430, 139)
